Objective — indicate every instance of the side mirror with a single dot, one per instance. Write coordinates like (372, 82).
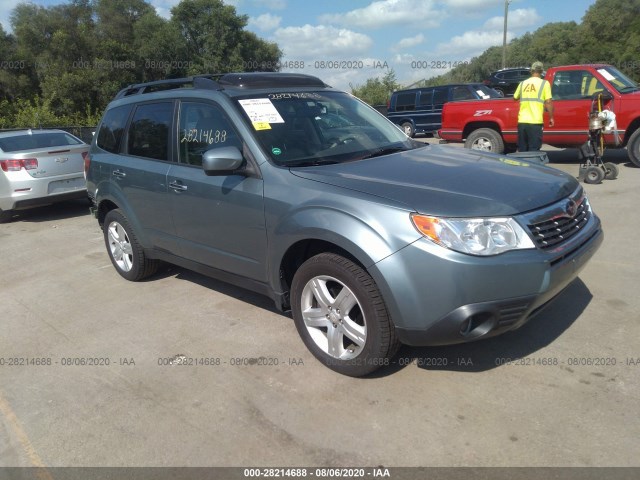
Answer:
(221, 161)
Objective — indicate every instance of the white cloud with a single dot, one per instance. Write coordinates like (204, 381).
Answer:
(471, 43)
(265, 22)
(384, 13)
(409, 42)
(517, 19)
(320, 42)
(472, 5)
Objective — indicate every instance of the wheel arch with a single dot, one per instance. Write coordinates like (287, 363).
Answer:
(300, 252)
(631, 129)
(473, 126)
(320, 231)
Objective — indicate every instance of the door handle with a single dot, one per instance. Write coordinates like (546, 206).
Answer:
(177, 186)
(119, 174)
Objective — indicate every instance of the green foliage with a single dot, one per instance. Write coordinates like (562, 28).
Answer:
(38, 112)
(376, 91)
(73, 57)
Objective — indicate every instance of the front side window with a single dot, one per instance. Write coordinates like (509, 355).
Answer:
(149, 130)
(461, 93)
(575, 85)
(313, 128)
(202, 127)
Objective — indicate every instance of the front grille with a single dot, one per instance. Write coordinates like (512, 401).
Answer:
(561, 227)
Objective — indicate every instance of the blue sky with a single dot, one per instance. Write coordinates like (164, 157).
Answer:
(346, 42)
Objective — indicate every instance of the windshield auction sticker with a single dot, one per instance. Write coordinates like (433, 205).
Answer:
(261, 112)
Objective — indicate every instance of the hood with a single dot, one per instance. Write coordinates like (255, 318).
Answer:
(449, 181)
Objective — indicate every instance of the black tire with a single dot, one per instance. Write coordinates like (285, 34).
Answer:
(124, 249)
(593, 175)
(485, 139)
(633, 148)
(407, 127)
(5, 216)
(363, 335)
(610, 171)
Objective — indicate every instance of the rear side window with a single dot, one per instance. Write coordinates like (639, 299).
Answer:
(112, 127)
(426, 97)
(440, 95)
(37, 140)
(149, 131)
(405, 101)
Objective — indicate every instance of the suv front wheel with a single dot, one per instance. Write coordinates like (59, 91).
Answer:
(341, 316)
(125, 252)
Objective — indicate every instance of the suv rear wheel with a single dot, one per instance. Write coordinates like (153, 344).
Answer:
(341, 316)
(126, 253)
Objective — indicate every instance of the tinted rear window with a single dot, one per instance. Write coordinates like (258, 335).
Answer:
(37, 140)
(112, 127)
(149, 130)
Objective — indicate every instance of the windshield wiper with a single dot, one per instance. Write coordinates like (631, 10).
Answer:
(310, 162)
(385, 151)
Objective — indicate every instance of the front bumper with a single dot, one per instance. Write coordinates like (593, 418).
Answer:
(440, 297)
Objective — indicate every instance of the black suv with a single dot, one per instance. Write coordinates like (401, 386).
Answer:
(507, 80)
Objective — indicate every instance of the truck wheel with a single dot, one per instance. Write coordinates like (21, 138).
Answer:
(485, 139)
(408, 129)
(593, 175)
(341, 316)
(633, 148)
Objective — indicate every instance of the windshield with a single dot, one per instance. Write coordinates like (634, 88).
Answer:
(618, 80)
(313, 128)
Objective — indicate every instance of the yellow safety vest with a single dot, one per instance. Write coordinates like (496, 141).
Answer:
(532, 94)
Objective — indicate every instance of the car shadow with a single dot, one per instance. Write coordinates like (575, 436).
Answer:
(239, 293)
(540, 331)
(57, 211)
(569, 156)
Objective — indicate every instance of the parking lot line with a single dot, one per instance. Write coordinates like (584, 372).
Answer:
(23, 439)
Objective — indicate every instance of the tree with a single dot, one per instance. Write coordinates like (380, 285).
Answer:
(216, 40)
(376, 91)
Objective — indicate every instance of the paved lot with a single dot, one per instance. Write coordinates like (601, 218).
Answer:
(571, 399)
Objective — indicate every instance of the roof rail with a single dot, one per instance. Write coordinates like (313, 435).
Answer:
(207, 82)
(218, 81)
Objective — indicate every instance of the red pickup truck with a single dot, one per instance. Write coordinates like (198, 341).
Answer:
(493, 124)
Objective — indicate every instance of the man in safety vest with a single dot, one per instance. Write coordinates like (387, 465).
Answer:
(535, 97)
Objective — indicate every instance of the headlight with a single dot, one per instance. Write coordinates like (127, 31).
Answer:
(475, 236)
